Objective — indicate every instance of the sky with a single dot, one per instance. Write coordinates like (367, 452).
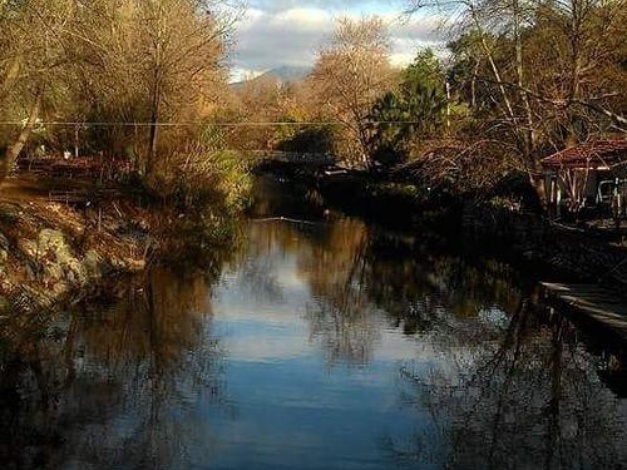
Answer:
(275, 33)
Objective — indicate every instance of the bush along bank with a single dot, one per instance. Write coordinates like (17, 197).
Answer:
(495, 226)
(585, 255)
(505, 223)
(52, 251)
(391, 202)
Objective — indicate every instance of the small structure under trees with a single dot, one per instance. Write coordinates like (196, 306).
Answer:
(593, 173)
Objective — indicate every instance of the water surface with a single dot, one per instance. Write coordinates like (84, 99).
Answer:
(328, 344)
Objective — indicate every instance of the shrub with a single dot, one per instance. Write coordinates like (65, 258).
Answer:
(196, 176)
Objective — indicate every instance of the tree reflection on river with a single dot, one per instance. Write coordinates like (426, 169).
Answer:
(99, 386)
(329, 344)
(521, 392)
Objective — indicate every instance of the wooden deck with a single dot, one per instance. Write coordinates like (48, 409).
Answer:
(593, 302)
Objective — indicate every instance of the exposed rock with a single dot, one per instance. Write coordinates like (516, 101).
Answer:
(92, 265)
(57, 264)
(50, 253)
(4, 253)
(4, 242)
(4, 305)
(51, 261)
(29, 300)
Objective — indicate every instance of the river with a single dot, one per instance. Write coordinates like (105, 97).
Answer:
(318, 342)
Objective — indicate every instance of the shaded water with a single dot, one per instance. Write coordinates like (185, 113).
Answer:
(324, 345)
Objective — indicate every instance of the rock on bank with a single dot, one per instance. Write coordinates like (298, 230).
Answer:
(50, 252)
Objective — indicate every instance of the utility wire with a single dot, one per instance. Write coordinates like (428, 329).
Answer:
(193, 124)
(288, 220)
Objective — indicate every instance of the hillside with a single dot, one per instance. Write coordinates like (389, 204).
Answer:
(282, 75)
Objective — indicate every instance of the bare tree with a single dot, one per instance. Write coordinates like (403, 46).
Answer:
(351, 73)
(33, 40)
(543, 67)
(126, 61)
(156, 61)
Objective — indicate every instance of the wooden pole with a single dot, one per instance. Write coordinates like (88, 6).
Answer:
(76, 143)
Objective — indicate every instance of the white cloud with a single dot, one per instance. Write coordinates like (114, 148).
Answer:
(250, 18)
(289, 32)
(303, 19)
(239, 74)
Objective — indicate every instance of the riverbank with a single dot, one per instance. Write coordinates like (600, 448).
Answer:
(51, 252)
(500, 225)
(60, 235)
(374, 198)
(309, 316)
(583, 254)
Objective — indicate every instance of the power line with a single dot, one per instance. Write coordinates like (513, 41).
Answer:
(197, 124)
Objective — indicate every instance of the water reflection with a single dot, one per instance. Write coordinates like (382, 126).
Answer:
(357, 273)
(319, 344)
(341, 315)
(509, 385)
(102, 386)
(522, 393)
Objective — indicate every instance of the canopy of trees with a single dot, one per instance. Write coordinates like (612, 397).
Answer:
(115, 62)
(520, 80)
(538, 76)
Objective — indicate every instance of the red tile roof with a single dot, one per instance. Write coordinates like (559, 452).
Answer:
(600, 154)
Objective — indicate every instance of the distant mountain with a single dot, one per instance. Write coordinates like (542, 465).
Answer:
(282, 75)
(288, 73)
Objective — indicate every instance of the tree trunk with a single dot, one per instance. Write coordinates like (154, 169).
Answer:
(529, 142)
(154, 128)
(509, 110)
(12, 152)
(536, 179)
(11, 74)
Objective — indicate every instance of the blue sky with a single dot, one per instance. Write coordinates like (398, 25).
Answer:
(274, 33)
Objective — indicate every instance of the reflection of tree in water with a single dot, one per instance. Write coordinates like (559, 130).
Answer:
(346, 327)
(109, 387)
(521, 394)
(512, 388)
(342, 317)
(270, 245)
(261, 277)
(418, 286)
(357, 273)
(258, 265)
